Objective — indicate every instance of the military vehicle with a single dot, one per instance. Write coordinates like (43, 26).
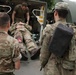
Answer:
(37, 9)
(37, 12)
(71, 16)
(72, 4)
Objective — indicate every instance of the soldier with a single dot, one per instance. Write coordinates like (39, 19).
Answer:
(21, 32)
(52, 64)
(9, 48)
(21, 13)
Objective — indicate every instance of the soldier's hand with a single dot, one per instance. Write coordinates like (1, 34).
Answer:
(27, 23)
(13, 22)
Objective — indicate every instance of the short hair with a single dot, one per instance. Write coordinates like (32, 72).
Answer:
(24, 4)
(4, 19)
(62, 12)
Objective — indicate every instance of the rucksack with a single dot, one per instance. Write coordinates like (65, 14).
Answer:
(61, 40)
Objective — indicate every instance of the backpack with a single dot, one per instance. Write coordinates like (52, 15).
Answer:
(61, 40)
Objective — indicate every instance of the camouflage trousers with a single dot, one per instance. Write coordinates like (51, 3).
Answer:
(7, 73)
(25, 37)
(57, 69)
(63, 71)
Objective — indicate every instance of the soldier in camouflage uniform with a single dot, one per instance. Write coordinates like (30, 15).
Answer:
(9, 48)
(52, 64)
(21, 32)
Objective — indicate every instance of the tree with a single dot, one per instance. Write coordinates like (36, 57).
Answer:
(50, 3)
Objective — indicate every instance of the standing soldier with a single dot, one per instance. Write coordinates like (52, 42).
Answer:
(21, 13)
(52, 64)
(9, 48)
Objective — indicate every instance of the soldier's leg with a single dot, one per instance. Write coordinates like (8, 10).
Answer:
(26, 53)
(51, 68)
(18, 36)
(30, 43)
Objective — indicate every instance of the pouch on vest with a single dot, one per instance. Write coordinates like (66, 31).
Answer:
(61, 40)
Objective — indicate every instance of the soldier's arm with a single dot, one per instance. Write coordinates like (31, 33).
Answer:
(28, 16)
(13, 16)
(14, 12)
(44, 53)
(16, 55)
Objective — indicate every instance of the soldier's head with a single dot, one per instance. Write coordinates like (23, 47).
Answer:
(4, 20)
(61, 10)
(24, 5)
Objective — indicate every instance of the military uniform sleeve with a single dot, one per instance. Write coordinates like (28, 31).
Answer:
(16, 51)
(44, 53)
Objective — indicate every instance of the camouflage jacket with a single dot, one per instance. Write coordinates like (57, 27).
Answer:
(24, 27)
(9, 52)
(50, 58)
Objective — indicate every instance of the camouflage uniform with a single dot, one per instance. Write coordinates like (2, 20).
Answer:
(13, 28)
(55, 65)
(9, 53)
(23, 34)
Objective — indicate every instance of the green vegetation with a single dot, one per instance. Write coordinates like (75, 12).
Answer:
(50, 3)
